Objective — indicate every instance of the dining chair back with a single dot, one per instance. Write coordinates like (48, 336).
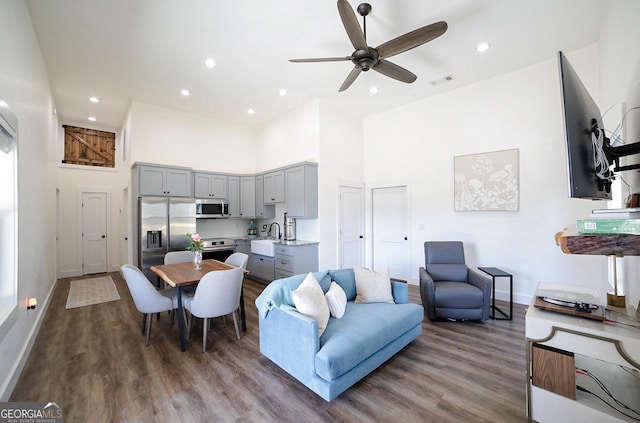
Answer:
(174, 257)
(217, 294)
(238, 260)
(146, 297)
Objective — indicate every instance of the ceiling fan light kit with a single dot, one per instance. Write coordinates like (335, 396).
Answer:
(365, 57)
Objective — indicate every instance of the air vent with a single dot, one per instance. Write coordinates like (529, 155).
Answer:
(441, 80)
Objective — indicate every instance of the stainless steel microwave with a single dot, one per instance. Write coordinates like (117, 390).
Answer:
(211, 209)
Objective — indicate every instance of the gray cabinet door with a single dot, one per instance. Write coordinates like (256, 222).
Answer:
(261, 267)
(152, 180)
(234, 196)
(274, 187)
(248, 196)
(178, 183)
(219, 186)
(201, 183)
(302, 192)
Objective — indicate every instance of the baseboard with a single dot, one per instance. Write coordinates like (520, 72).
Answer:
(517, 298)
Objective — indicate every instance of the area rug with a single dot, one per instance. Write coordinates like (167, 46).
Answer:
(84, 292)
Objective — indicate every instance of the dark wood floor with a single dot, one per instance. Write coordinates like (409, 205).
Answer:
(93, 360)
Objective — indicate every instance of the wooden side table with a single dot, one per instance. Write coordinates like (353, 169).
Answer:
(494, 272)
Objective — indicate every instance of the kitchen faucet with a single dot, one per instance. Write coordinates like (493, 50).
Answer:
(271, 226)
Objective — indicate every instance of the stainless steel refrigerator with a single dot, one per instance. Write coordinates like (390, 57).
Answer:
(162, 225)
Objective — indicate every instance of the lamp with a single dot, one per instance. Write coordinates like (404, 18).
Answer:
(613, 298)
(32, 303)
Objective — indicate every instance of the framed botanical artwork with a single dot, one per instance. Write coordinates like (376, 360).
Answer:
(486, 181)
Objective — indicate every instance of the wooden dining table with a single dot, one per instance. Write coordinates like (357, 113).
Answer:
(183, 275)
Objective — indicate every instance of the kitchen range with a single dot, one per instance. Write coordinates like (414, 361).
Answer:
(218, 248)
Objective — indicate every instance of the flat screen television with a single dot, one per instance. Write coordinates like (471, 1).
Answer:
(588, 169)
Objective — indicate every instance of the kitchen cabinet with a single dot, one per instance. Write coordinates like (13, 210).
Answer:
(274, 187)
(234, 196)
(261, 267)
(302, 191)
(243, 246)
(163, 181)
(210, 185)
(263, 211)
(295, 259)
(247, 196)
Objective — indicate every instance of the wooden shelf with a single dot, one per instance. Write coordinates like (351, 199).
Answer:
(572, 242)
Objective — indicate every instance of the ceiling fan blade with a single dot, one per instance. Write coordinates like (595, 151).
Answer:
(412, 39)
(350, 78)
(322, 59)
(351, 25)
(394, 71)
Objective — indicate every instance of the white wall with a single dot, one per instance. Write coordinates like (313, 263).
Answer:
(620, 90)
(417, 143)
(341, 153)
(25, 87)
(160, 135)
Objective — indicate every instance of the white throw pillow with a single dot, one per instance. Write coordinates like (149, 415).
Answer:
(309, 300)
(336, 300)
(372, 286)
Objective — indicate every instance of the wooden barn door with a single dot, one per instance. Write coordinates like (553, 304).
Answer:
(89, 147)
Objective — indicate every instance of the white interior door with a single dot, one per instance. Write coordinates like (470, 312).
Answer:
(351, 223)
(390, 217)
(94, 232)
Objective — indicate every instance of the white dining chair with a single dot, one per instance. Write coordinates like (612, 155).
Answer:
(238, 260)
(174, 257)
(217, 294)
(147, 298)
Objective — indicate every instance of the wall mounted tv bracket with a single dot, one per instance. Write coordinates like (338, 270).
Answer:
(614, 153)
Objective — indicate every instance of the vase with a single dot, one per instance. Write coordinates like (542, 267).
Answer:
(197, 259)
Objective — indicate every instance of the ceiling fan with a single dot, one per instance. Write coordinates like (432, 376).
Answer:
(365, 57)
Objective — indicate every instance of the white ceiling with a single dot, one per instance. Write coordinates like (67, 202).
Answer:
(148, 50)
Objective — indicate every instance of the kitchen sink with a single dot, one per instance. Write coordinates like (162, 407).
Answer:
(263, 247)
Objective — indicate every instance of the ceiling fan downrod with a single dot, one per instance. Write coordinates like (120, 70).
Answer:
(363, 10)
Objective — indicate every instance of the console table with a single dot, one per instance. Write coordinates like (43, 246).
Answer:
(557, 344)
(494, 272)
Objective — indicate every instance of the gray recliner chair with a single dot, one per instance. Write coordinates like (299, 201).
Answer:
(448, 288)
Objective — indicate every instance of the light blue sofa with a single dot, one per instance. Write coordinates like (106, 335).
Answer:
(350, 348)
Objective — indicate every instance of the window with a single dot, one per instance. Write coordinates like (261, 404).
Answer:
(89, 147)
(8, 219)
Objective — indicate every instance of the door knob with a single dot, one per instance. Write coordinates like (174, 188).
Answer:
(104, 236)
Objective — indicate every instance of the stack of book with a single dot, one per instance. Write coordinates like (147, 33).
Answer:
(612, 221)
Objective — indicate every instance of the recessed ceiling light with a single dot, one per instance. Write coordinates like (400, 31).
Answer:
(251, 111)
(92, 119)
(373, 90)
(185, 92)
(283, 92)
(94, 99)
(210, 63)
(482, 47)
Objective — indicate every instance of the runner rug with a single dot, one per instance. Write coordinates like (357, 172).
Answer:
(84, 292)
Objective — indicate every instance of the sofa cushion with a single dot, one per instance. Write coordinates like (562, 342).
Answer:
(310, 301)
(336, 300)
(346, 278)
(279, 294)
(364, 330)
(372, 286)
